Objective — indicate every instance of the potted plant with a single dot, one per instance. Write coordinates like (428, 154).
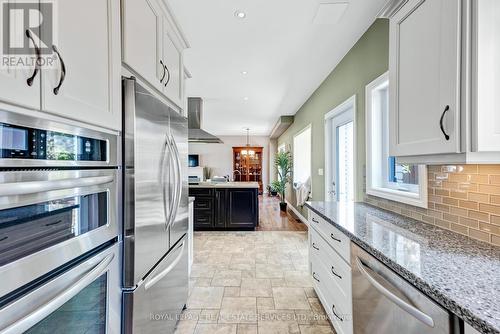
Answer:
(271, 191)
(283, 163)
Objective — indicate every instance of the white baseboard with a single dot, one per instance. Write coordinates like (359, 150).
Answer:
(297, 213)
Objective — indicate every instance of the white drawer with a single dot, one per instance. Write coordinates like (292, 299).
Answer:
(338, 271)
(338, 240)
(339, 311)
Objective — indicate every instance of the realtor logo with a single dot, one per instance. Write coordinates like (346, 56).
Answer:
(28, 33)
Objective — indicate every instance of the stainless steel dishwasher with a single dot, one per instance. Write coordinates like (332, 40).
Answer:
(385, 303)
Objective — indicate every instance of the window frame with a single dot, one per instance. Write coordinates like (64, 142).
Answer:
(308, 127)
(419, 199)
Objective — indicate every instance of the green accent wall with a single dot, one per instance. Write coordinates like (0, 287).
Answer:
(367, 60)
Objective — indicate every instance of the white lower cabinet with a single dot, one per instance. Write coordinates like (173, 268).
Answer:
(331, 272)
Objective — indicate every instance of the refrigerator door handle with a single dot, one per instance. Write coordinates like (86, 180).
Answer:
(178, 178)
(171, 197)
(41, 313)
(152, 281)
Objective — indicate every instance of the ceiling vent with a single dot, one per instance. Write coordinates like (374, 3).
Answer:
(330, 13)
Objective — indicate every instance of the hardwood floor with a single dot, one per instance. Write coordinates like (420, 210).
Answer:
(272, 219)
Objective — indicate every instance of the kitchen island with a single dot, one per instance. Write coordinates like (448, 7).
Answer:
(225, 205)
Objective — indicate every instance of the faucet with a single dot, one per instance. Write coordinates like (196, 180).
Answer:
(234, 172)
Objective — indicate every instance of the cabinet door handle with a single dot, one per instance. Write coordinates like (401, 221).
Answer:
(335, 313)
(314, 276)
(168, 76)
(314, 220)
(63, 70)
(446, 136)
(163, 66)
(30, 80)
(333, 237)
(314, 246)
(333, 272)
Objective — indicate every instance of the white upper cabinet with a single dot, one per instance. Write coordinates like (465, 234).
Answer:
(425, 78)
(172, 58)
(486, 84)
(153, 45)
(21, 85)
(84, 83)
(444, 81)
(142, 38)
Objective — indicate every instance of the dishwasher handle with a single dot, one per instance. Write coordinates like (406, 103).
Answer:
(410, 309)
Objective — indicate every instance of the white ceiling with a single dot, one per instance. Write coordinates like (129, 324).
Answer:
(286, 55)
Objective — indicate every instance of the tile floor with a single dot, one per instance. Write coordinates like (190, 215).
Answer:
(252, 282)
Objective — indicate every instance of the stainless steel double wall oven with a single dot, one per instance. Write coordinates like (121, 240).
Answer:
(59, 227)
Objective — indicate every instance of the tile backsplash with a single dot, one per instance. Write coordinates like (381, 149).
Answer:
(462, 198)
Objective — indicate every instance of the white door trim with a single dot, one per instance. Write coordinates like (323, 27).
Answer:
(348, 104)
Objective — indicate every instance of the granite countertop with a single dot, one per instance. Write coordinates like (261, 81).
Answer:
(225, 185)
(461, 274)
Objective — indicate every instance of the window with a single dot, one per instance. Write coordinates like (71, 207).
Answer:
(384, 176)
(302, 155)
(282, 148)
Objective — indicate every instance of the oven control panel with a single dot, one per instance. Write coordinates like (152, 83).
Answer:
(18, 142)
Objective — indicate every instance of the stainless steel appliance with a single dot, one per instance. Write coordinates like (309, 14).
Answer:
(383, 302)
(155, 212)
(59, 205)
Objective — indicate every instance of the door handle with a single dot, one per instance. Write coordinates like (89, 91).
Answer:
(178, 177)
(410, 309)
(334, 273)
(314, 246)
(163, 66)
(28, 321)
(155, 279)
(333, 237)
(335, 313)
(168, 76)
(163, 168)
(315, 278)
(63, 70)
(33, 187)
(31, 79)
(446, 136)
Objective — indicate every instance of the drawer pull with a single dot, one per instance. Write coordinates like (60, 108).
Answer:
(314, 220)
(314, 276)
(314, 246)
(333, 237)
(333, 272)
(335, 314)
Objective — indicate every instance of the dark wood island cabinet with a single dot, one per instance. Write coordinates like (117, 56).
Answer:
(225, 208)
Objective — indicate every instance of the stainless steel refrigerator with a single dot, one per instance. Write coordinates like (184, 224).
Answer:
(155, 212)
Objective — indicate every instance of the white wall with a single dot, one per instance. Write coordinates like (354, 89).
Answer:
(219, 157)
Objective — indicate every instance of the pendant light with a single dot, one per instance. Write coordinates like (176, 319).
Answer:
(248, 152)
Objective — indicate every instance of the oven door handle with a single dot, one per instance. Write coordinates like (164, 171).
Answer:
(33, 187)
(410, 309)
(28, 321)
(152, 281)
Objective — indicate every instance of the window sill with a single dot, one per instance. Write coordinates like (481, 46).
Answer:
(419, 200)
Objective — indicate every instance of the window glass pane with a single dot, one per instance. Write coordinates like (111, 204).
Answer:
(84, 313)
(302, 156)
(345, 157)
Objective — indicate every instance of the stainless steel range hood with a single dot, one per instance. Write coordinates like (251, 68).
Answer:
(195, 133)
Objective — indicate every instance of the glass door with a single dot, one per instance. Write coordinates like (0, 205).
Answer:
(86, 298)
(340, 153)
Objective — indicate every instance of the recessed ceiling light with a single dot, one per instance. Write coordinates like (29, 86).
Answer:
(239, 14)
(245, 98)
(244, 72)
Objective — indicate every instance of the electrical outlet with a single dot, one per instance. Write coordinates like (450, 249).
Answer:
(320, 171)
